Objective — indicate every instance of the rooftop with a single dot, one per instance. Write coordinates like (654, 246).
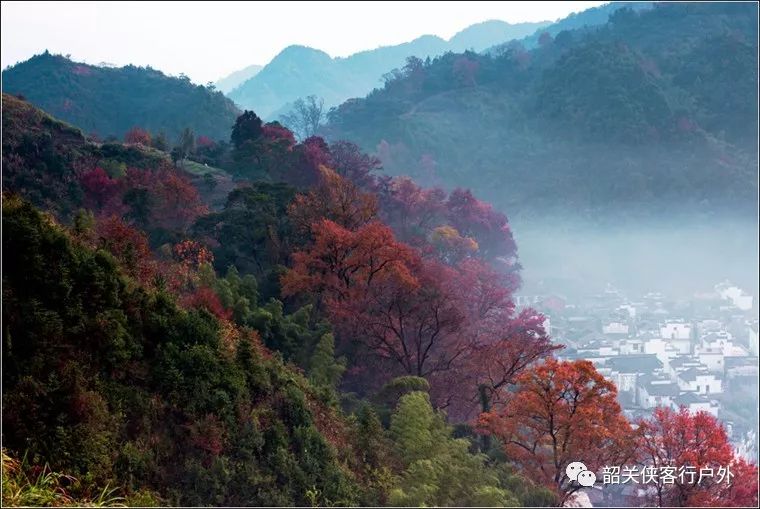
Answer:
(691, 374)
(688, 398)
(634, 363)
(662, 389)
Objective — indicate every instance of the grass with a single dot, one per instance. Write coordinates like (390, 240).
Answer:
(200, 169)
(26, 485)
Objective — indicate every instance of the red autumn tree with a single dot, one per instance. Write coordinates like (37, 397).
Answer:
(205, 298)
(412, 212)
(509, 349)
(351, 163)
(334, 198)
(562, 412)
(699, 444)
(128, 245)
(417, 323)
(379, 291)
(174, 203)
(204, 142)
(465, 70)
(99, 188)
(178, 203)
(274, 131)
(137, 136)
(342, 264)
(477, 219)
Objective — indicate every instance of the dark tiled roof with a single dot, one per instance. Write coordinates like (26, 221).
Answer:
(662, 389)
(734, 362)
(634, 363)
(691, 374)
(688, 398)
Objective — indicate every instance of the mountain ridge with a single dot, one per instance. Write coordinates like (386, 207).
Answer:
(286, 79)
(110, 101)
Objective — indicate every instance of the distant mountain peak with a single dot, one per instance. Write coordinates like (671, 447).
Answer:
(298, 71)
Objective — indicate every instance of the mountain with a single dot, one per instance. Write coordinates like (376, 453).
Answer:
(231, 81)
(481, 35)
(300, 71)
(594, 16)
(653, 111)
(110, 101)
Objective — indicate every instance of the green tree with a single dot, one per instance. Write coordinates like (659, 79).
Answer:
(325, 370)
(439, 469)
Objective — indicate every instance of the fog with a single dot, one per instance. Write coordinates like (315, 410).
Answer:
(677, 257)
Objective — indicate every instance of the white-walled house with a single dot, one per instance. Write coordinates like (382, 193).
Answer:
(720, 339)
(713, 358)
(696, 403)
(699, 382)
(625, 369)
(676, 329)
(655, 391)
(682, 363)
(615, 329)
(631, 346)
(753, 340)
(663, 349)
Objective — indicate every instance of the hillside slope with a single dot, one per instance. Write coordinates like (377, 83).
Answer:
(110, 101)
(654, 111)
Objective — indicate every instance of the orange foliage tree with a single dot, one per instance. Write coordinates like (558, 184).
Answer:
(334, 198)
(562, 412)
(137, 136)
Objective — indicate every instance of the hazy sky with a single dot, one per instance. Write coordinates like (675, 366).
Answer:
(207, 41)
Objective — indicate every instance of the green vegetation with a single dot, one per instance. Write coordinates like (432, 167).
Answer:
(110, 101)
(654, 111)
(156, 396)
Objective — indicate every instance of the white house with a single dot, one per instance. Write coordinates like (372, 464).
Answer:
(682, 363)
(663, 349)
(625, 369)
(615, 329)
(631, 346)
(720, 339)
(713, 358)
(655, 391)
(696, 403)
(676, 329)
(699, 382)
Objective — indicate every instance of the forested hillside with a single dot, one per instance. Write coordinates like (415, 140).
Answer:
(156, 353)
(328, 336)
(107, 101)
(654, 111)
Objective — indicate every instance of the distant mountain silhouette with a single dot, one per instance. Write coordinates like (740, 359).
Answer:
(231, 81)
(299, 71)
